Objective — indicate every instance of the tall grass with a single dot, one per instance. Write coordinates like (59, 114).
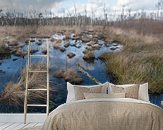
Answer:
(14, 92)
(140, 61)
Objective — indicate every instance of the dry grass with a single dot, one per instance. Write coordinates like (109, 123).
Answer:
(69, 75)
(15, 33)
(140, 61)
(49, 30)
(4, 51)
(142, 26)
(14, 92)
(89, 56)
(20, 33)
(12, 34)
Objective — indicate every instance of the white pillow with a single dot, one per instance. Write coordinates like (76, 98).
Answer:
(143, 90)
(71, 90)
(121, 86)
(71, 93)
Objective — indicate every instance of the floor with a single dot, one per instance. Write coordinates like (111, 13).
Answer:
(17, 126)
(12, 121)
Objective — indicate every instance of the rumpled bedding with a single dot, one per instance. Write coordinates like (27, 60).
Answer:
(105, 114)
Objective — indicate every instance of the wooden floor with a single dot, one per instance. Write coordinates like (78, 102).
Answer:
(15, 121)
(18, 126)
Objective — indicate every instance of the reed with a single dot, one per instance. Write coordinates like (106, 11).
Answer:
(140, 61)
(14, 92)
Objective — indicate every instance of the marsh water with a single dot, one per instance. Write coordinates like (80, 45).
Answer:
(11, 67)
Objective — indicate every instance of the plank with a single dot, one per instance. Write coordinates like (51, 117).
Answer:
(13, 126)
(39, 124)
(1, 124)
(19, 118)
(6, 125)
(18, 126)
(30, 125)
(21, 126)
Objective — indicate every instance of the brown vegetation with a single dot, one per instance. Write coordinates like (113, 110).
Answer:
(140, 61)
(142, 26)
(89, 56)
(69, 75)
(4, 51)
(14, 92)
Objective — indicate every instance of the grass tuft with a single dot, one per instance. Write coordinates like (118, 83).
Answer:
(140, 61)
(14, 92)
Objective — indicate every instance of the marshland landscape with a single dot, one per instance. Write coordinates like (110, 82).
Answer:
(122, 51)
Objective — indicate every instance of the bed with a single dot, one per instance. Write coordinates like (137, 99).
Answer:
(99, 111)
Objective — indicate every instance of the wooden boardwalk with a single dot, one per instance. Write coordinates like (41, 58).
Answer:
(15, 121)
(18, 126)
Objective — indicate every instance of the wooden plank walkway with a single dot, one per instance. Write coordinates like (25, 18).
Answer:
(18, 126)
(16, 121)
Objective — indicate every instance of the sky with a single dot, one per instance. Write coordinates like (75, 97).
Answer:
(62, 7)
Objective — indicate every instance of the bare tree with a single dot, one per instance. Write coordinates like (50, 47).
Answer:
(105, 16)
(159, 6)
